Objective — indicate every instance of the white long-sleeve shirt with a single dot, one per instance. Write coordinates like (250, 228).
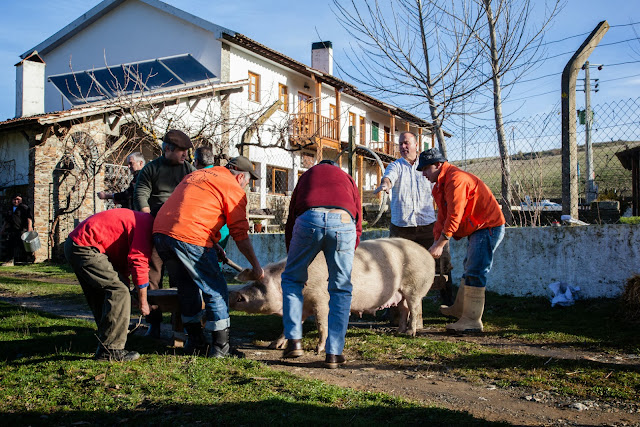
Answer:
(411, 201)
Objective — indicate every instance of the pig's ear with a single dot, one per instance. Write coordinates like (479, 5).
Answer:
(245, 275)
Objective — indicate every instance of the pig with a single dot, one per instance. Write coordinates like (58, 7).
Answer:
(386, 272)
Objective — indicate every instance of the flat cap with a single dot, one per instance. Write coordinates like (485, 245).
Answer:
(429, 157)
(241, 163)
(177, 138)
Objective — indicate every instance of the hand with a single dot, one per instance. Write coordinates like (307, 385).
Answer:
(258, 274)
(146, 209)
(382, 187)
(436, 249)
(144, 307)
(222, 256)
(102, 195)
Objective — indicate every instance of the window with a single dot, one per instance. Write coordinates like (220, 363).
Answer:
(375, 130)
(332, 112)
(283, 93)
(352, 123)
(387, 134)
(277, 180)
(254, 87)
(363, 128)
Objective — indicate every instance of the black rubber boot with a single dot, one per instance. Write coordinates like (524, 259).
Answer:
(218, 343)
(154, 319)
(195, 338)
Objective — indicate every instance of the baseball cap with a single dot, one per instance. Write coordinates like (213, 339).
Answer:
(177, 138)
(241, 163)
(429, 157)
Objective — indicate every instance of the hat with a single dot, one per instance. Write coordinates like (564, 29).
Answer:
(429, 157)
(241, 163)
(328, 162)
(177, 138)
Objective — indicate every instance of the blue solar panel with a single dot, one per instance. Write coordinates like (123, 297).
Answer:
(78, 88)
(114, 81)
(188, 69)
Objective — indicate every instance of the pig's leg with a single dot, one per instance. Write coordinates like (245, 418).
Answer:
(403, 308)
(415, 314)
(322, 323)
(280, 343)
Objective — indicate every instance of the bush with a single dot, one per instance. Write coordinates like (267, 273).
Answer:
(630, 220)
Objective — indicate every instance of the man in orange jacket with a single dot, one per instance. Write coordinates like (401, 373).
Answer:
(466, 208)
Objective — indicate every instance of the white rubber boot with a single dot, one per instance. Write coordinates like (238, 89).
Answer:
(455, 310)
(473, 307)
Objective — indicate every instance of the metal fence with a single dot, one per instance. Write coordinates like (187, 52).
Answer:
(535, 154)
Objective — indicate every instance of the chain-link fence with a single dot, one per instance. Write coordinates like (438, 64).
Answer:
(535, 157)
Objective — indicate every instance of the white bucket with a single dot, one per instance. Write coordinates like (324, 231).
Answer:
(31, 241)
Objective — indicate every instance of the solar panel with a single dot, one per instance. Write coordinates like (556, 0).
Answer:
(144, 76)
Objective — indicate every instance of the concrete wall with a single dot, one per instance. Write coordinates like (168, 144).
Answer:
(598, 258)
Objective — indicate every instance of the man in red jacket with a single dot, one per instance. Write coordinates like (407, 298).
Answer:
(466, 208)
(104, 250)
(324, 215)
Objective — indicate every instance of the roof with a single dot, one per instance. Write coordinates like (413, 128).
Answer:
(102, 107)
(347, 88)
(107, 6)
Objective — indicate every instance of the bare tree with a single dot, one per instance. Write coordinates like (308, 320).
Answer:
(415, 52)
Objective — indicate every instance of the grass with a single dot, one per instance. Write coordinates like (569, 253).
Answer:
(46, 370)
(47, 376)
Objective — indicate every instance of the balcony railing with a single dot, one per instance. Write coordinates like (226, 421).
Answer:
(386, 147)
(312, 125)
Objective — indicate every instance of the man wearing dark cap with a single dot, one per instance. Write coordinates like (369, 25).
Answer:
(466, 208)
(324, 215)
(186, 235)
(156, 181)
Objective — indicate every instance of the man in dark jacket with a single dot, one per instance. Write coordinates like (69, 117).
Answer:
(135, 161)
(155, 183)
(16, 221)
(325, 214)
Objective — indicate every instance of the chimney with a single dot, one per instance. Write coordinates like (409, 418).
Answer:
(30, 85)
(322, 57)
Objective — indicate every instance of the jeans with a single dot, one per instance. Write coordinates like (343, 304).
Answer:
(481, 246)
(195, 269)
(335, 235)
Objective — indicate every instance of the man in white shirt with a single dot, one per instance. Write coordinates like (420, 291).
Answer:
(412, 209)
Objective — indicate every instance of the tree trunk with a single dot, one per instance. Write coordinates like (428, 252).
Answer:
(497, 108)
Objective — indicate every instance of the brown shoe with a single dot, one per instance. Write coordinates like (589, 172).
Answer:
(332, 361)
(293, 349)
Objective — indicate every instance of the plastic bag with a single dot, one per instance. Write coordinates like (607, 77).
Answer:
(563, 294)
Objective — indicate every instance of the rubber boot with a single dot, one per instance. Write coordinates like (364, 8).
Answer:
(218, 342)
(455, 310)
(154, 319)
(473, 307)
(195, 338)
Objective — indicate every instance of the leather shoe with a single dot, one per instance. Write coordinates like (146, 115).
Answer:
(293, 349)
(332, 361)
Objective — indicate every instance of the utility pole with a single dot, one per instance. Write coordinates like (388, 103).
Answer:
(591, 189)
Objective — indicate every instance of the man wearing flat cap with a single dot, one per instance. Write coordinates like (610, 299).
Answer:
(466, 208)
(156, 181)
(186, 235)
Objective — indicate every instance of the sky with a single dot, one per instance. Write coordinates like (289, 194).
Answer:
(291, 26)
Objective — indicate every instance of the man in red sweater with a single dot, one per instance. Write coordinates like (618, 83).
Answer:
(466, 208)
(104, 250)
(324, 215)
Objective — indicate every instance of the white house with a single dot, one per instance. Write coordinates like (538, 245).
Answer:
(115, 79)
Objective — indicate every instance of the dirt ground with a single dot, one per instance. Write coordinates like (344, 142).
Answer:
(415, 381)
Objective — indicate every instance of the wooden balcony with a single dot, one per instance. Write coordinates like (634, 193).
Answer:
(312, 128)
(385, 147)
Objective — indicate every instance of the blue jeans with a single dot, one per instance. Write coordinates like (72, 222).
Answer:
(316, 231)
(481, 246)
(195, 269)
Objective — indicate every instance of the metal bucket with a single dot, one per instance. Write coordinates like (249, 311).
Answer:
(31, 241)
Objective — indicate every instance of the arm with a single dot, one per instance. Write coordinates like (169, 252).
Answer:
(385, 185)
(246, 249)
(29, 224)
(104, 196)
(142, 190)
(438, 246)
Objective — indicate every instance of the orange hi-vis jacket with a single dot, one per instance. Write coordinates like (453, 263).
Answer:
(465, 204)
(201, 204)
